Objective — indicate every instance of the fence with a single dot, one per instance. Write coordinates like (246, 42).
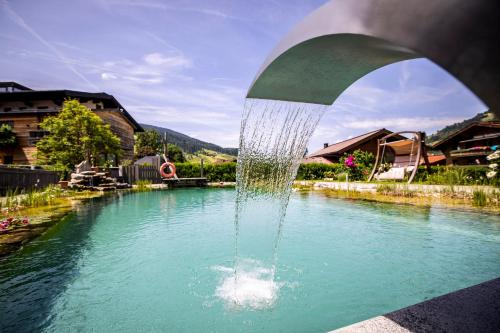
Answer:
(134, 173)
(26, 179)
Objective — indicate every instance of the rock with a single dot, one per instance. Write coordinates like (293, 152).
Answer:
(87, 173)
(77, 176)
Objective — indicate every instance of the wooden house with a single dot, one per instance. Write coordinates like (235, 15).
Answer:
(366, 142)
(470, 145)
(23, 109)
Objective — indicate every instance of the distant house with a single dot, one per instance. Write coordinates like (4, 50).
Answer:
(365, 142)
(470, 145)
(23, 109)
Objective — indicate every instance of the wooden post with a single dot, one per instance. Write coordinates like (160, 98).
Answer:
(419, 155)
(201, 167)
(377, 161)
(424, 154)
(165, 148)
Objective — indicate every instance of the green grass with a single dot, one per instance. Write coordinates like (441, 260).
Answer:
(209, 156)
(396, 190)
(479, 198)
(143, 185)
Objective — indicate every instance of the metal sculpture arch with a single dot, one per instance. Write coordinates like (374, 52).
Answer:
(344, 40)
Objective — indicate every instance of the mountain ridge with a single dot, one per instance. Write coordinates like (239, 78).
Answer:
(187, 143)
(449, 129)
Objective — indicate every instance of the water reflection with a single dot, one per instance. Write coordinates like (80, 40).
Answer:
(32, 278)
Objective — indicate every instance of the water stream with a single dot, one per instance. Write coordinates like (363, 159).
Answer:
(273, 140)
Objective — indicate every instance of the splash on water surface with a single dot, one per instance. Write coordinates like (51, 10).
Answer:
(253, 287)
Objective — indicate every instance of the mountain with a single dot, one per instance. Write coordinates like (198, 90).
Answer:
(209, 156)
(444, 132)
(189, 144)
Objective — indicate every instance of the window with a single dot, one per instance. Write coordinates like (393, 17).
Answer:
(36, 136)
(8, 159)
(7, 122)
(7, 109)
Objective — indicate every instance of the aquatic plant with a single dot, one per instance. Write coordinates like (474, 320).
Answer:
(143, 185)
(399, 190)
(479, 198)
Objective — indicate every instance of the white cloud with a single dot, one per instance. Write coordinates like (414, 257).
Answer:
(108, 76)
(153, 68)
(403, 123)
(158, 59)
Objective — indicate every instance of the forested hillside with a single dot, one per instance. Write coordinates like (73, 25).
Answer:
(444, 132)
(189, 144)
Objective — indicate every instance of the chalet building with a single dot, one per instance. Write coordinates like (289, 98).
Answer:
(23, 109)
(365, 142)
(470, 145)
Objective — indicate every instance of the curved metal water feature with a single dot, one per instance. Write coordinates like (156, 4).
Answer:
(329, 50)
(344, 40)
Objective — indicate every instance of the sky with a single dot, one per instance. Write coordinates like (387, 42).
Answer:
(187, 65)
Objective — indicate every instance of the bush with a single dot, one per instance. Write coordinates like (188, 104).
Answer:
(314, 171)
(224, 172)
(456, 175)
(358, 165)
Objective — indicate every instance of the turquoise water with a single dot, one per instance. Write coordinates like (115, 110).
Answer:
(155, 262)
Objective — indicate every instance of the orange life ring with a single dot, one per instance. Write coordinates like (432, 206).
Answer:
(172, 170)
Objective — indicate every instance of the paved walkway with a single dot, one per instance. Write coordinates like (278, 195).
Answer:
(469, 310)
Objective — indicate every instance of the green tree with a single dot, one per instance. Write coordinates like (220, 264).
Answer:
(75, 134)
(7, 136)
(175, 154)
(147, 143)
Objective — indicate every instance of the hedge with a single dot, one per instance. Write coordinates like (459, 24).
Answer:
(453, 175)
(224, 172)
(315, 171)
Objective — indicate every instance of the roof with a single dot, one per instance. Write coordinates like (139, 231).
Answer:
(60, 95)
(433, 159)
(489, 124)
(341, 147)
(12, 84)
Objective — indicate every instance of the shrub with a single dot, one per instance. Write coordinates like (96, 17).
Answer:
(314, 171)
(456, 175)
(358, 164)
(224, 172)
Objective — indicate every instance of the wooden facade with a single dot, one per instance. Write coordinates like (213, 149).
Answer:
(470, 145)
(24, 110)
(367, 142)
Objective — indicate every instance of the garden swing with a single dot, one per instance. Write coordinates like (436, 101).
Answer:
(405, 158)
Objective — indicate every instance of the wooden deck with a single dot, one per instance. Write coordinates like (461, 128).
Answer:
(186, 182)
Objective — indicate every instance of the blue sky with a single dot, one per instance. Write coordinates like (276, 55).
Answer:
(186, 65)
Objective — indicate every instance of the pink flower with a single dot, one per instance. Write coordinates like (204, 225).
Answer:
(350, 162)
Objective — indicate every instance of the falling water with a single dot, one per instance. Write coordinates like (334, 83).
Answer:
(273, 139)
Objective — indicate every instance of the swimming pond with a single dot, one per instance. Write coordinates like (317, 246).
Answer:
(157, 261)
